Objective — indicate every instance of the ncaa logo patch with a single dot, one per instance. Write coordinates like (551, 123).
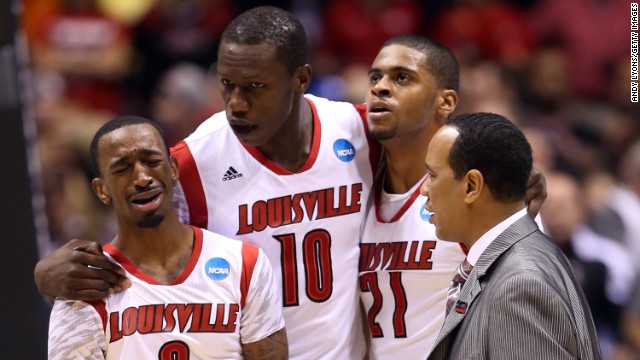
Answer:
(217, 268)
(344, 150)
(424, 213)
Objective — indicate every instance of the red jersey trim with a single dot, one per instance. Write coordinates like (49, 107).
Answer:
(375, 149)
(192, 185)
(99, 306)
(403, 209)
(313, 155)
(121, 258)
(249, 259)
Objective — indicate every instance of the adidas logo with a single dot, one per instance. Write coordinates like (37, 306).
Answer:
(231, 174)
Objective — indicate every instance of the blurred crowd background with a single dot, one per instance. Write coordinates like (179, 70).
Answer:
(559, 69)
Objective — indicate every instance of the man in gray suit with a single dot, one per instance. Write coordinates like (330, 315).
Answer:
(521, 300)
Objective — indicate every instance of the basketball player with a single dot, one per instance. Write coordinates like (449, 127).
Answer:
(194, 294)
(288, 173)
(405, 270)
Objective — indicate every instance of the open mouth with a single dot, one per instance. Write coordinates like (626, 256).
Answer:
(243, 129)
(146, 200)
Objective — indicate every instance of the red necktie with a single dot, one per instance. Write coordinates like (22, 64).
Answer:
(462, 274)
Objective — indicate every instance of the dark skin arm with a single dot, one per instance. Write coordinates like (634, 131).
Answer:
(536, 192)
(273, 347)
(68, 273)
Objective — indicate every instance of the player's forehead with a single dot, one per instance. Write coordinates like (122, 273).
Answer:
(254, 61)
(397, 56)
(129, 139)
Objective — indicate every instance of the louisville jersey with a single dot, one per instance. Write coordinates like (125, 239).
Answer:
(308, 223)
(226, 296)
(405, 272)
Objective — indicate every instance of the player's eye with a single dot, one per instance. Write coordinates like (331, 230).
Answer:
(374, 78)
(257, 85)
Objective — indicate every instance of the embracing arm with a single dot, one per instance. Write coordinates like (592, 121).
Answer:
(79, 270)
(273, 347)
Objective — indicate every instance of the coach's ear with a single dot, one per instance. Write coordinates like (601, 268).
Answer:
(101, 191)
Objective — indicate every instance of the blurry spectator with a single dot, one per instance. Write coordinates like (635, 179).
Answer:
(65, 128)
(485, 86)
(91, 50)
(185, 96)
(602, 266)
(486, 29)
(624, 201)
(541, 148)
(594, 34)
(354, 30)
(587, 136)
(175, 31)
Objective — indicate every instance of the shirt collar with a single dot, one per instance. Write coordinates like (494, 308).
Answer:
(485, 240)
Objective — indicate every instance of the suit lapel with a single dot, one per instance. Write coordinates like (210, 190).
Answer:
(472, 288)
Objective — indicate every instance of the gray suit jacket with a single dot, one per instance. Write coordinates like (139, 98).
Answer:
(521, 301)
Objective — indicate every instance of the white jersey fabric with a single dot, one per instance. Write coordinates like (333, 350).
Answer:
(405, 272)
(308, 223)
(226, 296)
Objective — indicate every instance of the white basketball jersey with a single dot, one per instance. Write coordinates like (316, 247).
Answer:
(404, 275)
(308, 223)
(226, 296)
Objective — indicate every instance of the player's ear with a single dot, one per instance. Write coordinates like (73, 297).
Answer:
(175, 170)
(101, 191)
(447, 101)
(302, 78)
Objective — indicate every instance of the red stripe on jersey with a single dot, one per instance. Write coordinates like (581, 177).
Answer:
(403, 209)
(375, 149)
(313, 154)
(128, 265)
(191, 184)
(102, 311)
(249, 259)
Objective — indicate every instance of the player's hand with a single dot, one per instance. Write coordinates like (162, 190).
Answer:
(79, 270)
(536, 192)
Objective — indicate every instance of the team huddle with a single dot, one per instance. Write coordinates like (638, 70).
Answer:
(309, 218)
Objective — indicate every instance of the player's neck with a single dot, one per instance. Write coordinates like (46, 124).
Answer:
(291, 145)
(161, 252)
(404, 159)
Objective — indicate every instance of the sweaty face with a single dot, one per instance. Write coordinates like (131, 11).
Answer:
(401, 92)
(137, 176)
(446, 195)
(257, 91)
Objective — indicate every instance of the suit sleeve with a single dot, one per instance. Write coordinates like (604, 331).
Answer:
(262, 313)
(529, 317)
(75, 331)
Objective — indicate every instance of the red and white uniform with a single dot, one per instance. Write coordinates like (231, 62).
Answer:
(405, 272)
(226, 296)
(308, 223)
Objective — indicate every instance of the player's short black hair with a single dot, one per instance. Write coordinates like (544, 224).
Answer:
(441, 62)
(268, 24)
(493, 145)
(114, 124)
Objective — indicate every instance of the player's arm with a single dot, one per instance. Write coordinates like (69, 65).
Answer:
(536, 192)
(75, 331)
(274, 346)
(79, 270)
(262, 331)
